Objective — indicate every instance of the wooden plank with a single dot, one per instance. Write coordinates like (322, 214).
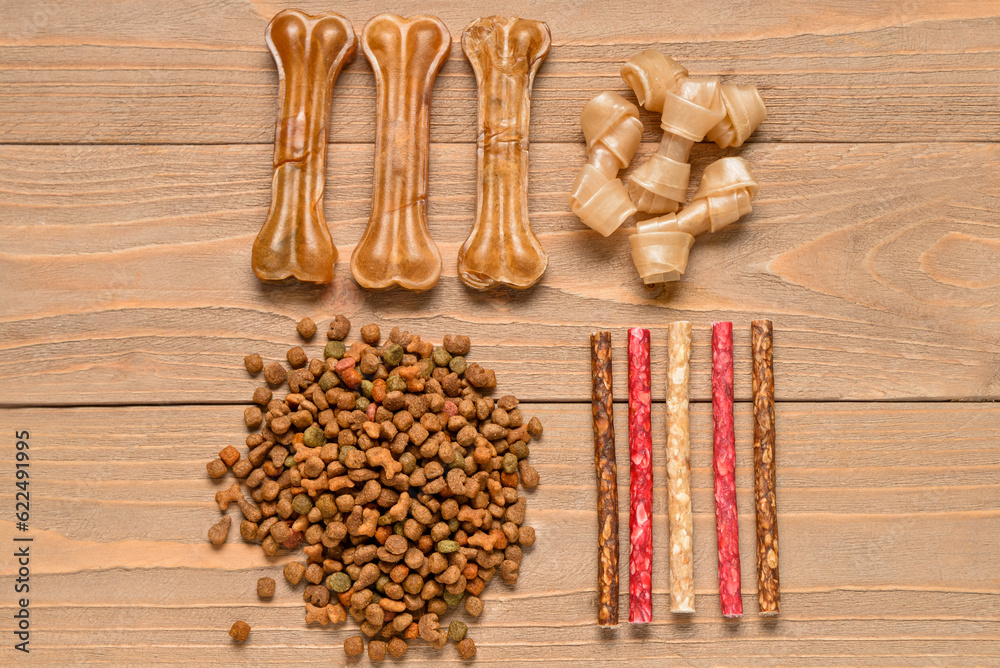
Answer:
(127, 279)
(848, 72)
(121, 504)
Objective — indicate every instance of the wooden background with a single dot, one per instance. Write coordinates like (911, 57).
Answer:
(135, 152)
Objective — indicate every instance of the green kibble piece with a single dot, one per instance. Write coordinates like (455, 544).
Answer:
(338, 582)
(302, 504)
(458, 462)
(314, 436)
(426, 367)
(510, 463)
(384, 520)
(329, 379)
(452, 600)
(395, 384)
(366, 388)
(447, 546)
(519, 449)
(342, 456)
(408, 461)
(456, 630)
(327, 505)
(458, 364)
(376, 597)
(441, 356)
(335, 349)
(361, 404)
(289, 461)
(393, 355)
(453, 524)
(382, 581)
(397, 529)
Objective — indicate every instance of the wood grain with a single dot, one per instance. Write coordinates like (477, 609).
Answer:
(199, 71)
(127, 274)
(124, 572)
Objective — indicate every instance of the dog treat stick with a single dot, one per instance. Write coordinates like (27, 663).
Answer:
(607, 479)
(640, 447)
(502, 249)
(294, 241)
(661, 246)
(679, 468)
(768, 593)
(724, 467)
(396, 249)
(612, 128)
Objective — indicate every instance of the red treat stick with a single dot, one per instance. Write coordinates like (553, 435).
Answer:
(724, 467)
(640, 446)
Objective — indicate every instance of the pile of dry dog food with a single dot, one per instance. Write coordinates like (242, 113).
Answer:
(394, 474)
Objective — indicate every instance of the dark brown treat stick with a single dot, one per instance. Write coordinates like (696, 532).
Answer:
(607, 479)
(769, 596)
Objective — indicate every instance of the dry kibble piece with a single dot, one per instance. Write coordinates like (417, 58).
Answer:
(253, 363)
(262, 396)
(293, 572)
(239, 631)
(457, 631)
(467, 649)
(370, 334)
(398, 647)
(339, 328)
(297, 357)
(265, 587)
(253, 416)
(275, 374)
(535, 426)
(376, 650)
(474, 606)
(216, 468)
(229, 455)
(306, 328)
(354, 646)
(220, 530)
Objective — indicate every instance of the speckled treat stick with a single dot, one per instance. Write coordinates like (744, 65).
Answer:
(724, 467)
(679, 468)
(607, 479)
(768, 593)
(640, 447)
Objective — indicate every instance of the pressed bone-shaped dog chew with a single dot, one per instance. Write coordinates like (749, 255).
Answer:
(660, 247)
(502, 249)
(396, 248)
(309, 52)
(613, 131)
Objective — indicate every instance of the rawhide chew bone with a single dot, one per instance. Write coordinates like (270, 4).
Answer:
(679, 468)
(613, 131)
(309, 51)
(607, 479)
(396, 248)
(768, 592)
(502, 249)
(745, 111)
(724, 470)
(661, 245)
(640, 447)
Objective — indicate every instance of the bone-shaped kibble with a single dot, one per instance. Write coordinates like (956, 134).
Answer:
(502, 249)
(661, 245)
(309, 52)
(396, 248)
(691, 110)
(613, 131)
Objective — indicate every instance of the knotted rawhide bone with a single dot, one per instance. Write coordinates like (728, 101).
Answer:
(679, 468)
(309, 51)
(768, 593)
(396, 248)
(613, 131)
(607, 479)
(502, 249)
(691, 110)
(661, 245)
(724, 470)
(640, 447)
